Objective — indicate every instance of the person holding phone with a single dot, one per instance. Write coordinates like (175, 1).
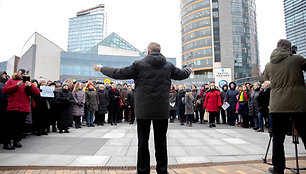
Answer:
(19, 89)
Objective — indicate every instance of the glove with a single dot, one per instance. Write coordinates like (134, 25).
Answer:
(189, 107)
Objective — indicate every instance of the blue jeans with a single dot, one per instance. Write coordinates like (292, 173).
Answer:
(260, 120)
(90, 118)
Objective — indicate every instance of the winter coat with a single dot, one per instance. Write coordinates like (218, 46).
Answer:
(212, 101)
(123, 95)
(264, 99)
(18, 99)
(79, 102)
(200, 101)
(288, 92)
(179, 103)
(152, 76)
(189, 105)
(131, 98)
(64, 99)
(114, 97)
(107, 95)
(91, 100)
(243, 108)
(231, 99)
(254, 103)
(195, 96)
(102, 95)
(3, 97)
(223, 93)
(172, 99)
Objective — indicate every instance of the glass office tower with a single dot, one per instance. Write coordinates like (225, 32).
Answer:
(220, 34)
(295, 17)
(86, 29)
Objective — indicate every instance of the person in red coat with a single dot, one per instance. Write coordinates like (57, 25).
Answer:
(212, 104)
(18, 107)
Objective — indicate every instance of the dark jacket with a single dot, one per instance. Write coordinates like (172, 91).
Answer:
(123, 95)
(264, 99)
(223, 93)
(91, 100)
(152, 76)
(243, 108)
(172, 98)
(288, 92)
(64, 99)
(114, 97)
(179, 103)
(102, 95)
(254, 103)
(3, 97)
(131, 98)
(231, 99)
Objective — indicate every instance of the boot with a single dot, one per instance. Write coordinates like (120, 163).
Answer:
(210, 125)
(201, 122)
(8, 146)
(17, 144)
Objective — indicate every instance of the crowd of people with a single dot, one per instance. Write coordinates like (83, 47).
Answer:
(77, 104)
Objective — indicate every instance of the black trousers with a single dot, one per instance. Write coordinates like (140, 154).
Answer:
(15, 126)
(281, 122)
(114, 114)
(223, 115)
(196, 116)
(132, 115)
(99, 118)
(213, 116)
(160, 141)
(172, 115)
(201, 115)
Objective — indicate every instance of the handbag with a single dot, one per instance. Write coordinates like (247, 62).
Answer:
(206, 116)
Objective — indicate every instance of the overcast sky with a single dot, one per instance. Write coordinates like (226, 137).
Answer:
(137, 21)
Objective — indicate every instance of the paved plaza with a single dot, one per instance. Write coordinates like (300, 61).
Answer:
(117, 146)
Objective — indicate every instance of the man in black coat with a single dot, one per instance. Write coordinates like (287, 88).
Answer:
(152, 76)
(131, 103)
(3, 103)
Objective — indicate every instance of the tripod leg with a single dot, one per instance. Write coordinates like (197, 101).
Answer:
(297, 158)
(265, 159)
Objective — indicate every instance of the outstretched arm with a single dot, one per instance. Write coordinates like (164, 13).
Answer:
(180, 74)
(117, 73)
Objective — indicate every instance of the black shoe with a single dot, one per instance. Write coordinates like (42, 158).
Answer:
(213, 125)
(66, 131)
(54, 130)
(92, 125)
(60, 131)
(37, 134)
(8, 147)
(271, 170)
(112, 124)
(115, 124)
(255, 128)
(201, 122)
(131, 123)
(44, 133)
(17, 144)
(182, 124)
(210, 125)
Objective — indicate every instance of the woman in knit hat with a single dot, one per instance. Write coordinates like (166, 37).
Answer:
(92, 101)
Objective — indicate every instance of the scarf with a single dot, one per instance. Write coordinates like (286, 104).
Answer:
(243, 96)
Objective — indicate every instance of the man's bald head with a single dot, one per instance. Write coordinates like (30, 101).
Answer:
(153, 47)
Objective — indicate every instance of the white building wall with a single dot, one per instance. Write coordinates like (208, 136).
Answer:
(116, 51)
(10, 66)
(47, 59)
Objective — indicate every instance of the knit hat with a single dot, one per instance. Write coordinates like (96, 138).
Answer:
(89, 85)
(188, 90)
(101, 85)
(64, 84)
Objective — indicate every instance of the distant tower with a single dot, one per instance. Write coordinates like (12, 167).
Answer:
(86, 29)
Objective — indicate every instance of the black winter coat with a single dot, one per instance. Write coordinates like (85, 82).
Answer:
(102, 95)
(114, 97)
(64, 99)
(3, 98)
(131, 99)
(152, 76)
(180, 105)
(264, 100)
(254, 103)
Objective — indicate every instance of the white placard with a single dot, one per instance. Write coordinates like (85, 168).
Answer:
(225, 105)
(47, 91)
(223, 76)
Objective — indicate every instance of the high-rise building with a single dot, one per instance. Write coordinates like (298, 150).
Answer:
(295, 16)
(220, 34)
(86, 29)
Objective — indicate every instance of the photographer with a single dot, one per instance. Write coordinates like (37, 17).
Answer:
(19, 89)
(287, 98)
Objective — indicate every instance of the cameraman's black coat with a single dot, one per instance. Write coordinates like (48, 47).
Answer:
(152, 76)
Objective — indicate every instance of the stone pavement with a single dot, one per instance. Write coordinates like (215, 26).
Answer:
(117, 146)
(255, 167)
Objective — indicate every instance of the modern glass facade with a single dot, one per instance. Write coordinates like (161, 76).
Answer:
(3, 66)
(79, 65)
(295, 17)
(86, 29)
(197, 39)
(245, 43)
(201, 38)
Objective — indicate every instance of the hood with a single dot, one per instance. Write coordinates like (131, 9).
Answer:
(234, 85)
(278, 55)
(155, 59)
(226, 88)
